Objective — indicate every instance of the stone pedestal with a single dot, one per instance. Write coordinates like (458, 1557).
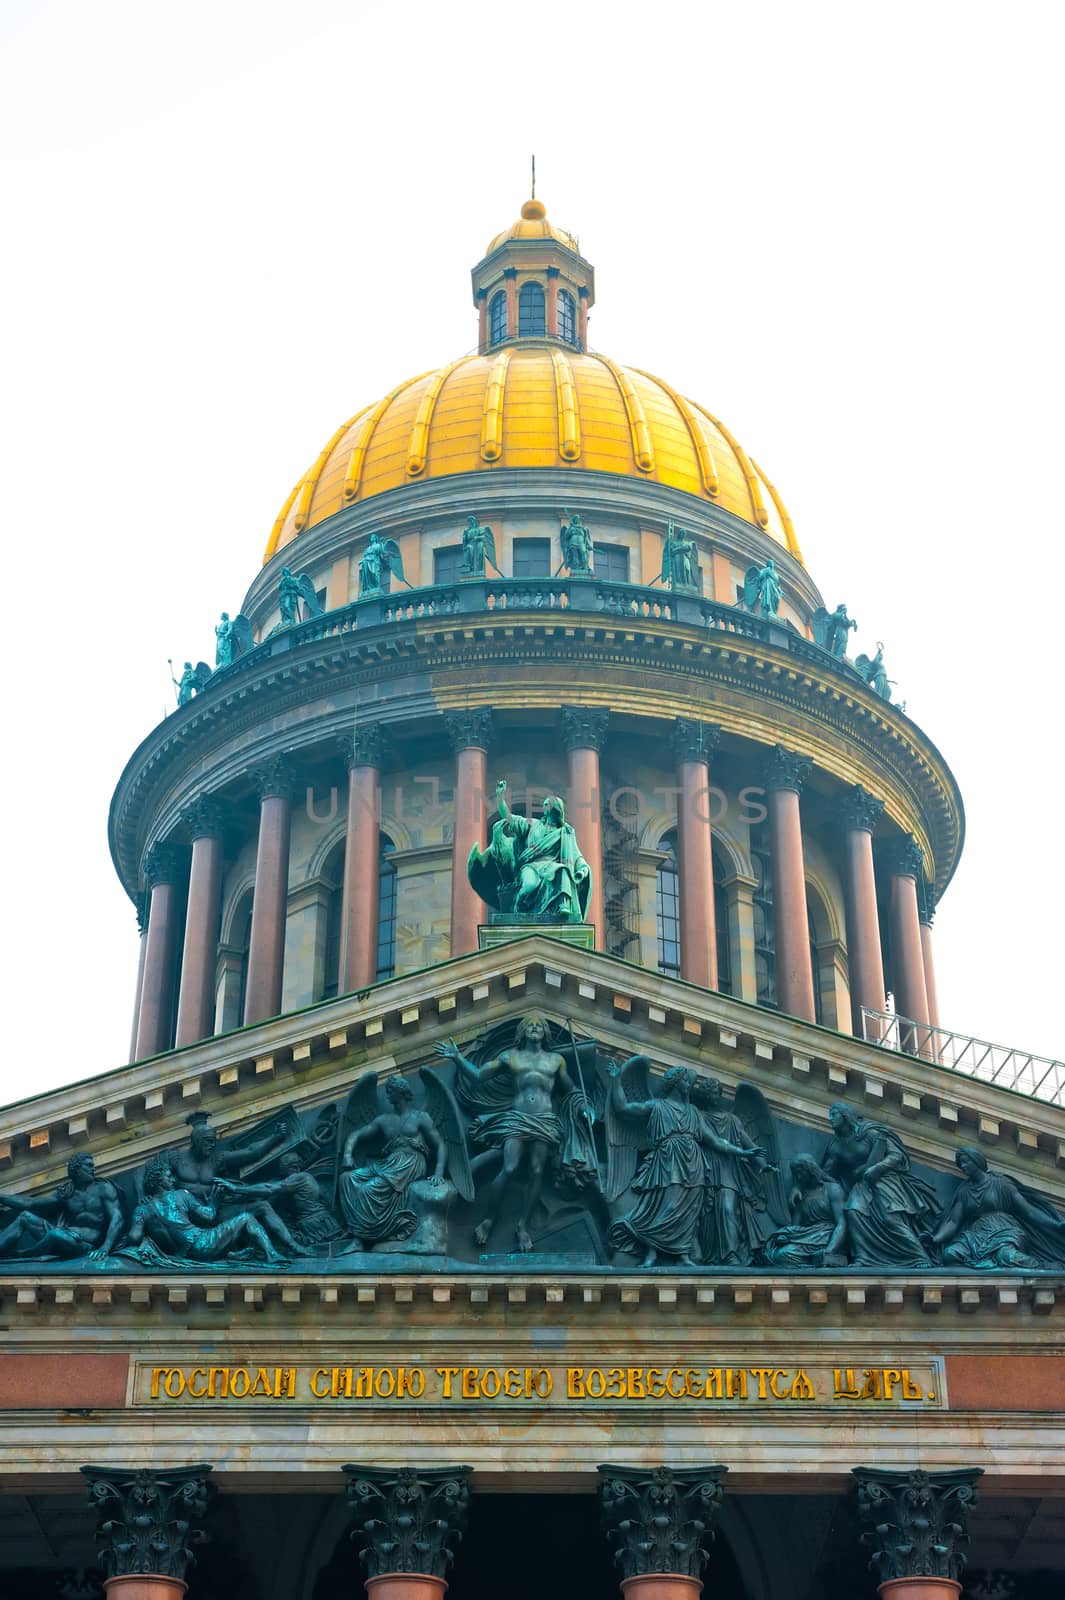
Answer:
(492, 934)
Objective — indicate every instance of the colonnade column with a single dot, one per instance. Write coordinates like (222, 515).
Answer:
(926, 910)
(785, 776)
(859, 813)
(146, 1522)
(195, 1015)
(906, 865)
(365, 754)
(269, 905)
(552, 302)
(659, 1522)
(582, 315)
(470, 733)
(161, 869)
(583, 735)
(406, 1523)
(510, 288)
(693, 745)
(142, 950)
(915, 1525)
(482, 320)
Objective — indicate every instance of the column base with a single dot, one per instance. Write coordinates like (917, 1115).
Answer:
(662, 1586)
(144, 1586)
(406, 1586)
(919, 1589)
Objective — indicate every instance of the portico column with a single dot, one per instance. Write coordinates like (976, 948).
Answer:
(583, 735)
(659, 1523)
(915, 1525)
(906, 865)
(146, 1522)
(470, 733)
(693, 745)
(269, 905)
(785, 776)
(195, 1016)
(365, 752)
(859, 813)
(926, 910)
(161, 869)
(407, 1522)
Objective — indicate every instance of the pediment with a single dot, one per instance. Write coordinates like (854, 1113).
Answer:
(294, 1076)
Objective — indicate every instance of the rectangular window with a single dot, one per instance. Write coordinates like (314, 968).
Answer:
(765, 957)
(532, 558)
(447, 563)
(612, 563)
(319, 595)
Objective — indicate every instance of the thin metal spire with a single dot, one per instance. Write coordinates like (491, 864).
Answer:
(534, 177)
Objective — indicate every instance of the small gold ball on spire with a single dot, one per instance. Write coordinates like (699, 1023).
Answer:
(534, 211)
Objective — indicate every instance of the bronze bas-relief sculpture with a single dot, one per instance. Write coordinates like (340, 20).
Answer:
(529, 1140)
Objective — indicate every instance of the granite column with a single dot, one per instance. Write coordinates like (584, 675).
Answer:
(785, 776)
(583, 735)
(906, 865)
(693, 745)
(470, 733)
(161, 869)
(269, 906)
(364, 753)
(195, 1014)
(859, 813)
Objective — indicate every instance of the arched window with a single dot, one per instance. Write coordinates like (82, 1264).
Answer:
(497, 318)
(386, 916)
(721, 929)
(567, 317)
(532, 311)
(667, 907)
(386, 908)
(240, 942)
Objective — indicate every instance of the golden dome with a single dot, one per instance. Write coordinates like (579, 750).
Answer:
(533, 404)
(533, 224)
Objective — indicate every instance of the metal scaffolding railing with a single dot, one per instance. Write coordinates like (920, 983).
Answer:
(977, 1058)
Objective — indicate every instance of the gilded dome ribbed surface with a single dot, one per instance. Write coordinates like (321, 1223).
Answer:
(533, 404)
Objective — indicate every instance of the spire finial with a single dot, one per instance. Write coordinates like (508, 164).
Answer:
(534, 177)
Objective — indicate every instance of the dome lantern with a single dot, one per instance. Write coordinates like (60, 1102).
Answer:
(533, 283)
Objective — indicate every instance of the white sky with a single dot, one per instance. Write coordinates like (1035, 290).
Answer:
(229, 226)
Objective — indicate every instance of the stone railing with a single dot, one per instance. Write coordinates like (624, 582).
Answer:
(588, 596)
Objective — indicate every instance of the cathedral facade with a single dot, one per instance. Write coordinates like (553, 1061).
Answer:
(540, 1159)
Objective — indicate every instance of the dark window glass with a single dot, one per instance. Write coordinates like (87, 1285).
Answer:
(242, 940)
(319, 595)
(667, 909)
(765, 956)
(532, 311)
(815, 968)
(447, 563)
(497, 318)
(612, 563)
(567, 317)
(386, 909)
(532, 558)
(721, 927)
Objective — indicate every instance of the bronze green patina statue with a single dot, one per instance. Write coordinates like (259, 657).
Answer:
(761, 588)
(381, 556)
(478, 543)
(187, 1229)
(872, 670)
(576, 542)
(679, 569)
(534, 868)
(82, 1218)
(831, 630)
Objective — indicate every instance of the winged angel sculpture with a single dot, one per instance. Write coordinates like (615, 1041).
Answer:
(296, 597)
(379, 557)
(407, 1154)
(705, 1189)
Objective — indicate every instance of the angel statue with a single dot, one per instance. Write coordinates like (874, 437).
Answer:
(527, 1112)
(478, 542)
(664, 1218)
(873, 672)
(743, 1200)
(817, 1233)
(379, 557)
(295, 592)
(678, 559)
(761, 588)
(831, 630)
(193, 680)
(233, 638)
(994, 1221)
(375, 1197)
(533, 868)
